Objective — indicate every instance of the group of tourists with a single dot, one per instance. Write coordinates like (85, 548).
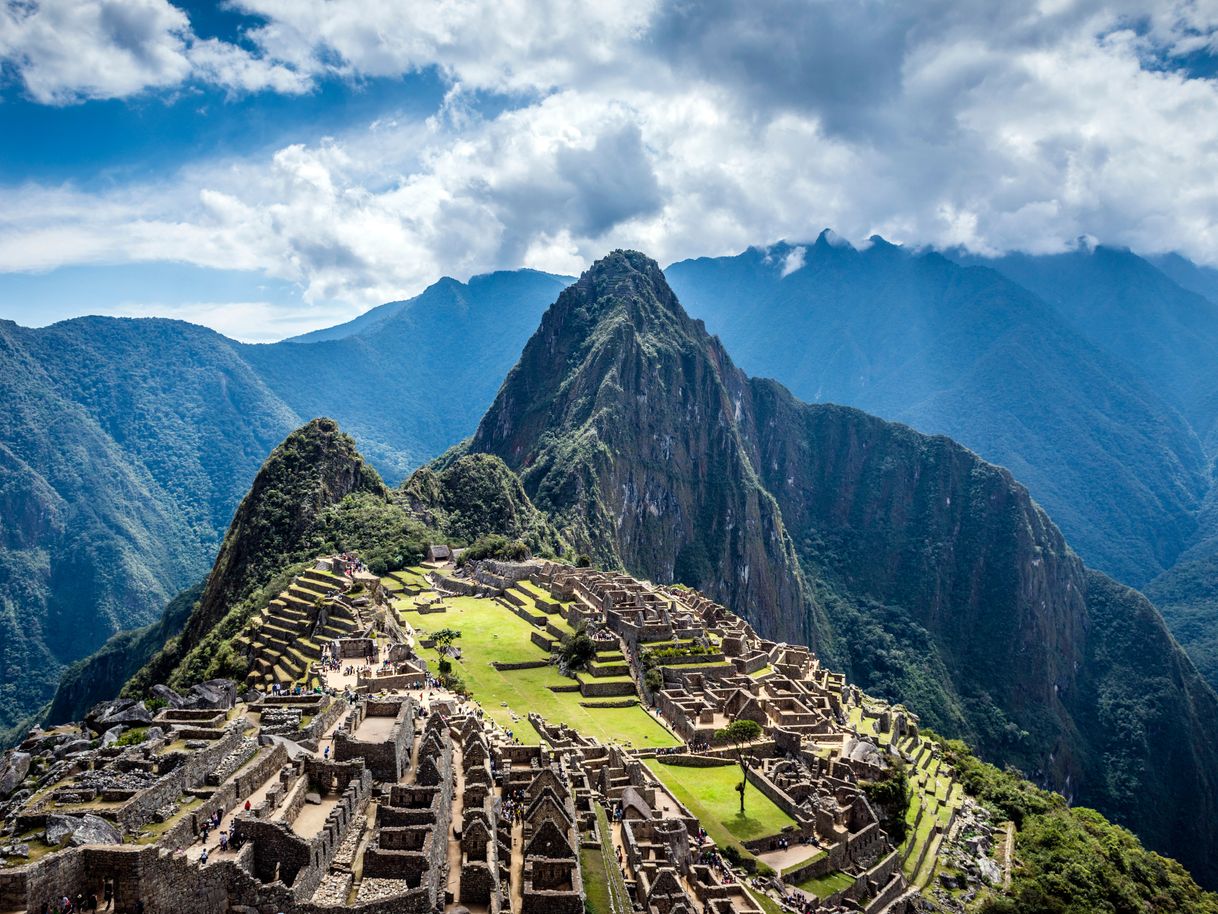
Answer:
(227, 840)
(511, 806)
(66, 904)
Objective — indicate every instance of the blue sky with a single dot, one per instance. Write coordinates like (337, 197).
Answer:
(266, 167)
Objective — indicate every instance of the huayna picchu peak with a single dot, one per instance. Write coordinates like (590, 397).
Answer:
(658, 637)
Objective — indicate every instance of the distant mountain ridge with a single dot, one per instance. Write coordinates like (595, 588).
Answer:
(925, 572)
(970, 354)
(115, 490)
(126, 444)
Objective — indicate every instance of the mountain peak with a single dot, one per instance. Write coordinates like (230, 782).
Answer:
(622, 284)
(624, 271)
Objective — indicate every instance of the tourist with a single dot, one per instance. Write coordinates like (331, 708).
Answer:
(203, 856)
(247, 805)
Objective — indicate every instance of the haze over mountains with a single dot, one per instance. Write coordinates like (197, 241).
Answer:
(132, 440)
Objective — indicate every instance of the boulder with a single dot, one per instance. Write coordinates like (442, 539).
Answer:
(171, 698)
(13, 771)
(217, 694)
(862, 750)
(73, 747)
(110, 737)
(15, 850)
(125, 711)
(313, 798)
(991, 872)
(81, 830)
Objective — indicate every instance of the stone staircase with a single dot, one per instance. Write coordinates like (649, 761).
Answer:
(288, 637)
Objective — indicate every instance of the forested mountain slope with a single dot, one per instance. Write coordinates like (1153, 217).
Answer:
(125, 446)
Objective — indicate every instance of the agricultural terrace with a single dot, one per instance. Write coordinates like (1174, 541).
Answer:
(491, 632)
(710, 794)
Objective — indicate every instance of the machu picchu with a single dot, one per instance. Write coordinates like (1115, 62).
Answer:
(347, 772)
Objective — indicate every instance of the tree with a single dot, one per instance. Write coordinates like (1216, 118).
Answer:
(740, 733)
(443, 640)
(577, 649)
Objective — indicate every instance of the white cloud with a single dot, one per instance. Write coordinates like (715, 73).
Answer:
(71, 50)
(680, 129)
(248, 322)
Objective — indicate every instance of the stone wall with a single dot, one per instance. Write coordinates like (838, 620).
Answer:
(388, 759)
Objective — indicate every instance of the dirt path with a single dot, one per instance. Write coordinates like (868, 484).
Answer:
(194, 851)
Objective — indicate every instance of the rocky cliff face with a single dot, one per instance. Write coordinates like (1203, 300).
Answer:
(621, 419)
(926, 572)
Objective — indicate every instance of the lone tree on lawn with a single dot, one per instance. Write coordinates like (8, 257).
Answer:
(443, 640)
(578, 649)
(740, 733)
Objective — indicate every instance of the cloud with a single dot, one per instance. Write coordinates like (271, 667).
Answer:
(681, 129)
(67, 51)
(248, 322)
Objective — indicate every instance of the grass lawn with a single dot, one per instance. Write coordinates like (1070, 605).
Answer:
(710, 794)
(824, 886)
(491, 632)
(604, 888)
(596, 881)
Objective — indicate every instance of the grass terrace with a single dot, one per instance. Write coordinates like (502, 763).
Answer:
(491, 632)
(710, 794)
(829, 884)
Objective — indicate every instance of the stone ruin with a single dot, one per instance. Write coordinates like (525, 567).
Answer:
(415, 802)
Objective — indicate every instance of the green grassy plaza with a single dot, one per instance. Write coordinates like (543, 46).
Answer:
(490, 632)
(710, 794)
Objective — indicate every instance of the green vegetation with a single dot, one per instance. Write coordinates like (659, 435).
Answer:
(491, 632)
(577, 649)
(477, 500)
(495, 546)
(829, 884)
(1073, 860)
(711, 795)
(132, 737)
(890, 798)
(1187, 595)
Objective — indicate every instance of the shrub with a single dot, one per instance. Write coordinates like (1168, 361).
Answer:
(132, 737)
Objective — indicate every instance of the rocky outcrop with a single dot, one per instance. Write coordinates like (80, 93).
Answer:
(13, 771)
(80, 830)
(125, 712)
(315, 467)
(620, 420)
